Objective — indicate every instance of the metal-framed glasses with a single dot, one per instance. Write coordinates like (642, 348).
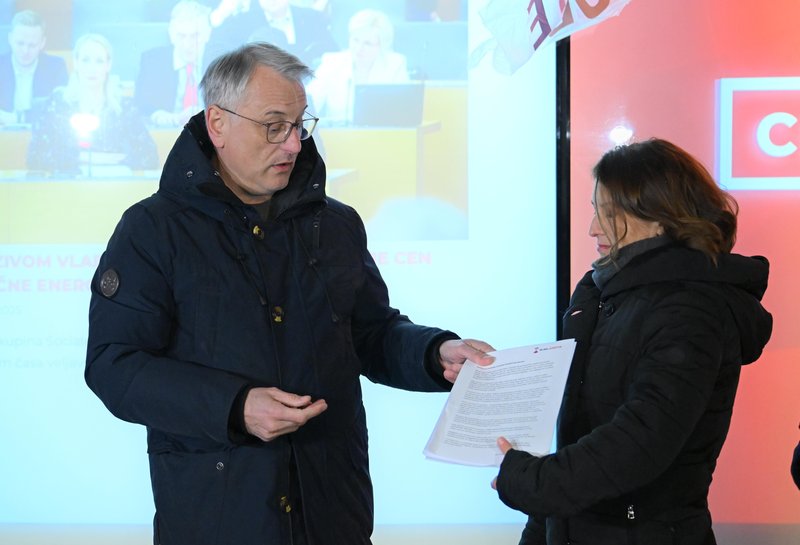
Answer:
(278, 131)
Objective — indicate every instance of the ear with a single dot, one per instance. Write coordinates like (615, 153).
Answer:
(217, 125)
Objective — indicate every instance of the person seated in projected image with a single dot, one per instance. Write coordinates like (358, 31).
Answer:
(166, 86)
(27, 74)
(302, 31)
(87, 123)
(229, 8)
(234, 314)
(368, 59)
(664, 322)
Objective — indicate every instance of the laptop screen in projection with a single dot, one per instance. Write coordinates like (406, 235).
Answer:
(388, 104)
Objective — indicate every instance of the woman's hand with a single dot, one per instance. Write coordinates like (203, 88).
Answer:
(505, 446)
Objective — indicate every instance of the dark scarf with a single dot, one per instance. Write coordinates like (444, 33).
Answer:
(605, 269)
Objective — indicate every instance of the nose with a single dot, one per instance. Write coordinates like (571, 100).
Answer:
(293, 143)
(594, 226)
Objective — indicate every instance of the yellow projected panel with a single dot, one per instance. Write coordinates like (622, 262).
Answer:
(79, 212)
(60, 212)
(390, 163)
(425, 161)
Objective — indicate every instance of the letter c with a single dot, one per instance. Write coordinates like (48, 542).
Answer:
(762, 134)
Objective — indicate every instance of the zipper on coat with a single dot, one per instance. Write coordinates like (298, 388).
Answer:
(632, 526)
(241, 258)
(312, 260)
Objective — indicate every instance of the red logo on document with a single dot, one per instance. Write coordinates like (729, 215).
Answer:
(759, 133)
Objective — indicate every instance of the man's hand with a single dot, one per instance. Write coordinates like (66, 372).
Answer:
(270, 412)
(453, 354)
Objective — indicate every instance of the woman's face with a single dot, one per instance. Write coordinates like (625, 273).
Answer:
(92, 64)
(365, 45)
(609, 227)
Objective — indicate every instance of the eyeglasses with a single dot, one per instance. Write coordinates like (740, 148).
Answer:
(278, 131)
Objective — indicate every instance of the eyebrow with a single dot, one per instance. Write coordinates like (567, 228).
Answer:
(282, 114)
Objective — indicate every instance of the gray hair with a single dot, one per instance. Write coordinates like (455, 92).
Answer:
(226, 78)
(373, 19)
(193, 11)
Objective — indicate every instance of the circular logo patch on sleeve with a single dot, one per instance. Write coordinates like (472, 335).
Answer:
(109, 283)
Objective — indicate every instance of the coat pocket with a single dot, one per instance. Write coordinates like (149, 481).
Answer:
(189, 490)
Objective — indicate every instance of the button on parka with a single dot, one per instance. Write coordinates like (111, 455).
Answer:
(196, 298)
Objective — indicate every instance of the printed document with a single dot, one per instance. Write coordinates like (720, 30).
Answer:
(517, 397)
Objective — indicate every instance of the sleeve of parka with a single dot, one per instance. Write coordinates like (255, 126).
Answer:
(129, 333)
(391, 348)
(795, 467)
(679, 360)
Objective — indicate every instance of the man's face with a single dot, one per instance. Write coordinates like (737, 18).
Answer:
(26, 43)
(189, 38)
(251, 167)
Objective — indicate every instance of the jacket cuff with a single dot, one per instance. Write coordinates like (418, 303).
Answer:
(433, 364)
(509, 478)
(237, 431)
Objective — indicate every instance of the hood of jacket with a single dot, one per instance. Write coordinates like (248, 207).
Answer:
(740, 279)
(189, 177)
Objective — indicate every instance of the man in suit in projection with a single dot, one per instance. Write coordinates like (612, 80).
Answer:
(26, 72)
(304, 32)
(166, 86)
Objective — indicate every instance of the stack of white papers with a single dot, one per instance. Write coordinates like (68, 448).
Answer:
(516, 397)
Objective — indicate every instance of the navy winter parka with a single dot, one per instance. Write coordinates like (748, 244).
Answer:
(648, 402)
(196, 299)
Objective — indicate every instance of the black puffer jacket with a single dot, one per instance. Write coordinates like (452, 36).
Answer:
(648, 401)
(209, 300)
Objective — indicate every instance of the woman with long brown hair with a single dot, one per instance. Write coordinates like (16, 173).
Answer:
(664, 321)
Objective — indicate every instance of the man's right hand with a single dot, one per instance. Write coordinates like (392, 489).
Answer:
(270, 412)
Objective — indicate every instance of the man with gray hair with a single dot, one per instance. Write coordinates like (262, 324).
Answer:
(233, 314)
(166, 88)
(26, 72)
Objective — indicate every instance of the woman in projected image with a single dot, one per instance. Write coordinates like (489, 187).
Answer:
(664, 322)
(87, 124)
(369, 59)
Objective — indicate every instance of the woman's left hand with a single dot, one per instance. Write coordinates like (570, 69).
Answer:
(505, 446)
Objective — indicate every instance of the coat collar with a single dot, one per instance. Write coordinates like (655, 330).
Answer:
(675, 262)
(189, 176)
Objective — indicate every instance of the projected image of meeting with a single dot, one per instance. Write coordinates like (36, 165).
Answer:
(98, 92)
